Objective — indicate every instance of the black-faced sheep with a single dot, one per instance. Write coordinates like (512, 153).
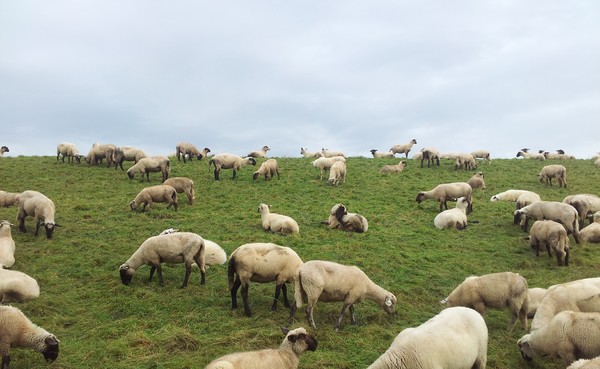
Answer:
(187, 149)
(331, 153)
(149, 165)
(530, 155)
(229, 161)
(554, 171)
(40, 207)
(340, 218)
(453, 218)
(551, 235)
(430, 154)
(376, 154)
(68, 150)
(277, 223)
(393, 168)
(559, 155)
(477, 181)
(262, 153)
(404, 148)
(585, 204)
(3, 149)
(560, 212)
(268, 169)
(152, 194)
(183, 185)
(8, 199)
(310, 154)
(128, 153)
(337, 173)
(448, 191)
(16, 286)
(325, 164)
(7, 245)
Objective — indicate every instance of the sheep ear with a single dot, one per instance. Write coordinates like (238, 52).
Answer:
(51, 341)
(285, 330)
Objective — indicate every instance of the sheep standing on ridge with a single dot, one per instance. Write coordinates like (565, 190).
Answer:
(331, 153)
(562, 213)
(262, 153)
(325, 164)
(465, 161)
(477, 181)
(393, 168)
(8, 199)
(376, 154)
(183, 185)
(448, 191)
(453, 218)
(482, 154)
(16, 286)
(337, 173)
(310, 154)
(403, 149)
(340, 218)
(554, 171)
(430, 154)
(152, 194)
(41, 208)
(7, 245)
(68, 150)
(268, 168)
(277, 223)
(229, 161)
(149, 165)
(185, 148)
(3, 149)
(553, 236)
(99, 152)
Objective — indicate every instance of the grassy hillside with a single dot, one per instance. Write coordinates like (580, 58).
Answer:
(103, 324)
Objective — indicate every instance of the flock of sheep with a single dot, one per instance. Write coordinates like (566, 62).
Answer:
(566, 317)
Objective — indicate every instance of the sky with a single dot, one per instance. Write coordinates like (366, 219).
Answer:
(345, 75)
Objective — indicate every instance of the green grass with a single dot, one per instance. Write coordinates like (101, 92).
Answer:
(103, 324)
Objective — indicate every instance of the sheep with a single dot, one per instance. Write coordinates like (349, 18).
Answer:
(562, 213)
(152, 194)
(3, 149)
(453, 218)
(128, 153)
(448, 191)
(277, 223)
(591, 233)
(530, 155)
(597, 163)
(456, 338)
(586, 364)
(553, 236)
(229, 161)
(337, 173)
(41, 208)
(262, 153)
(418, 156)
(7, 245)
(449, 155)
(585, 204)
(527, 198)
(268, 168)
(482, 154)
(403, 149)
(520, 197)
(536, 295)
(310, 154)
(179, 247)
(559, 155)
(287, 356)
(569, 335)
(68, 150)
(150, 165)
(554, 171)
(261, 263)
(389, 154)
(99, 152)
(185, 148)
(324, 163)
(8, 199)
(17, 287)
(496, 291)
(477, 181)
(16, 330)
(430, 154)
(183, 185)
(340, 218)
(331, 153)
(393, 168)
(326, 281)
(465, 161)
(213, 254)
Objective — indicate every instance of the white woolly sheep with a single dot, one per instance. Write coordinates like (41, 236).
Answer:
(496, 291)
(562, 213)
(591, 233)
(186, 148)
(340, 218)
(277, 223)
(430, 154)
(262, 153)
(553, 236)
(40, 207)
(449, 155)
(453, 218)
(99, 152)
(465, 161)
(586, 364)
(536, 295)
(128, 153)
(149, 165)
(7, 245)
(530, 155)
(482, 154)
(152, 194)
(389, 154)
(398, 168)
(213, 254)
(229, 161)
(68, 150)
(448, 191)
(331, 153)
(554, 171)
(337, 173)
(403, 149)
(16, 286)
(8, 199)
(287, 356)
(325, 164)
(3, 149)
(456, 338)
(261, 263)
(418, 156)
(173, 248)
(183, 185)
(310, 154)
(16, 330)
(569, 335)
(527, 199)
(268, 168)
(522, 198)
(477, 181)
(327, 281)
(559, 155)
(585, 204)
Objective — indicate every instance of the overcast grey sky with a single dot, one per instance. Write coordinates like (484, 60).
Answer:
(346, 75)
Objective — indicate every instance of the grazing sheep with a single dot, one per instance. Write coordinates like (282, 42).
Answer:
(152, 194)
(268, 168)
(183, 185)
(477, 181)
(185, 148)
(229, 161)
(151, 165)
(586, 364)
(8, 199)
(553, 236)
(585, 204)
(465, 161)
(389, 154)
(262, 153)
(128, 153)
(337, 173)
(261, 263)
(530, 155)
(448, 191)
(430, 154)
(562, 213)
(325, 163)
(456, 338)
(482, 154)
(554, 171)
(68, 150)
(17, 287)
(496, 291)
(331, 153)
(3, 149)
(536, 295)
(453, 218)
(16, 330)
(277, 223)
(310, 154)
(40, 207)
(173, 248)
(99, 152)
(213, 254)
(7, 245)
(393, 168)
(327, 281)
(403, 149)
(591, 233)
(287, 356)
(340, 218)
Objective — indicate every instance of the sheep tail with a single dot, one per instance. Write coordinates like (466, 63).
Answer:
(231, 271)
(298, 291)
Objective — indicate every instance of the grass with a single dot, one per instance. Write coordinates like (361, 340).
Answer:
(103, 324)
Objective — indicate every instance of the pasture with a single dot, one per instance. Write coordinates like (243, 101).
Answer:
(102, 323)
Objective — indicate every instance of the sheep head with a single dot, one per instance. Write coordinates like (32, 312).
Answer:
(524, 347)
(49, 227)
(50, 351)
(300, 340)
(389, 303)
(420, 197)
(127, 273)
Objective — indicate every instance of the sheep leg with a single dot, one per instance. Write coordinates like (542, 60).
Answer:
(22, 224)
(234, 173)
(245, 289)
(548, 250)
(236, 284)
(216, 174)
(341, 318)
(37, 227)
(186, 278)
(352, 317)
(309, 315)
(5, 360)
(152, 269)
(286, 302)
(161, 281)
(277, 292)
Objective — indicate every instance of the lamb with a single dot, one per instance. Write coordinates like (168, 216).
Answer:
(287, 356)
(430, 154)
(261, 263)
(586, 364)
(456, 338)
(3, 149)
(591, 233)
(554, 171)
(151, 165)
(262, 153)
(569, 335)
(585, 204)
(68, 150)
(562, 213)
(340, 218)
(331, 153)
(536, 295)
(553, 236)
(477, 181)
(229, 161)
(41, 208)
(327, 281)
(128, 153)
(179, 247)
(185, 148)
(482, 154)
(310, 154)
(453, 218)
(530, 155)
(398, 168)
(403, 149)
(389, 154)
(152, 194)
(448, 191)
(18, 331)
(465, 161)
(7, 245)
(324, 163)
(277, 223)
(99, 152)
(8, 199)
(496, 291)
(268, 168)
(17, 287)
(183, 185)
(337, 173)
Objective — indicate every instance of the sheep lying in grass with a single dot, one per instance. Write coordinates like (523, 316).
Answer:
(268, 169)
(340, 218)
(560, 212)
(393, 168)
(553, 236)
(389, 154)
(128, 153)
(7, 245)
(559, 155)
(229, 161)
(455, 338)
(173, 248)
(325, 164)
(403, 149)
(586, 364)
(453, 218)
(554, 171)
(310, 154)
(482, 154)
(524, 153)
(18, 331)
(8, 199)
(41, 208)
(187, 149)
(430, 154)
(183, 185)
(68, 150)
(496, 291)
(477, 181)
(287, 356)
(262, 153)
(261, 263)
(591, 233)
(536, 295)
(3, 149)
(585, 204)
(152, 194)
(277, 223)
(337, 173)
(331, 153)
(149, 165)
(17, 287)
(522, 198)
(448, 191)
